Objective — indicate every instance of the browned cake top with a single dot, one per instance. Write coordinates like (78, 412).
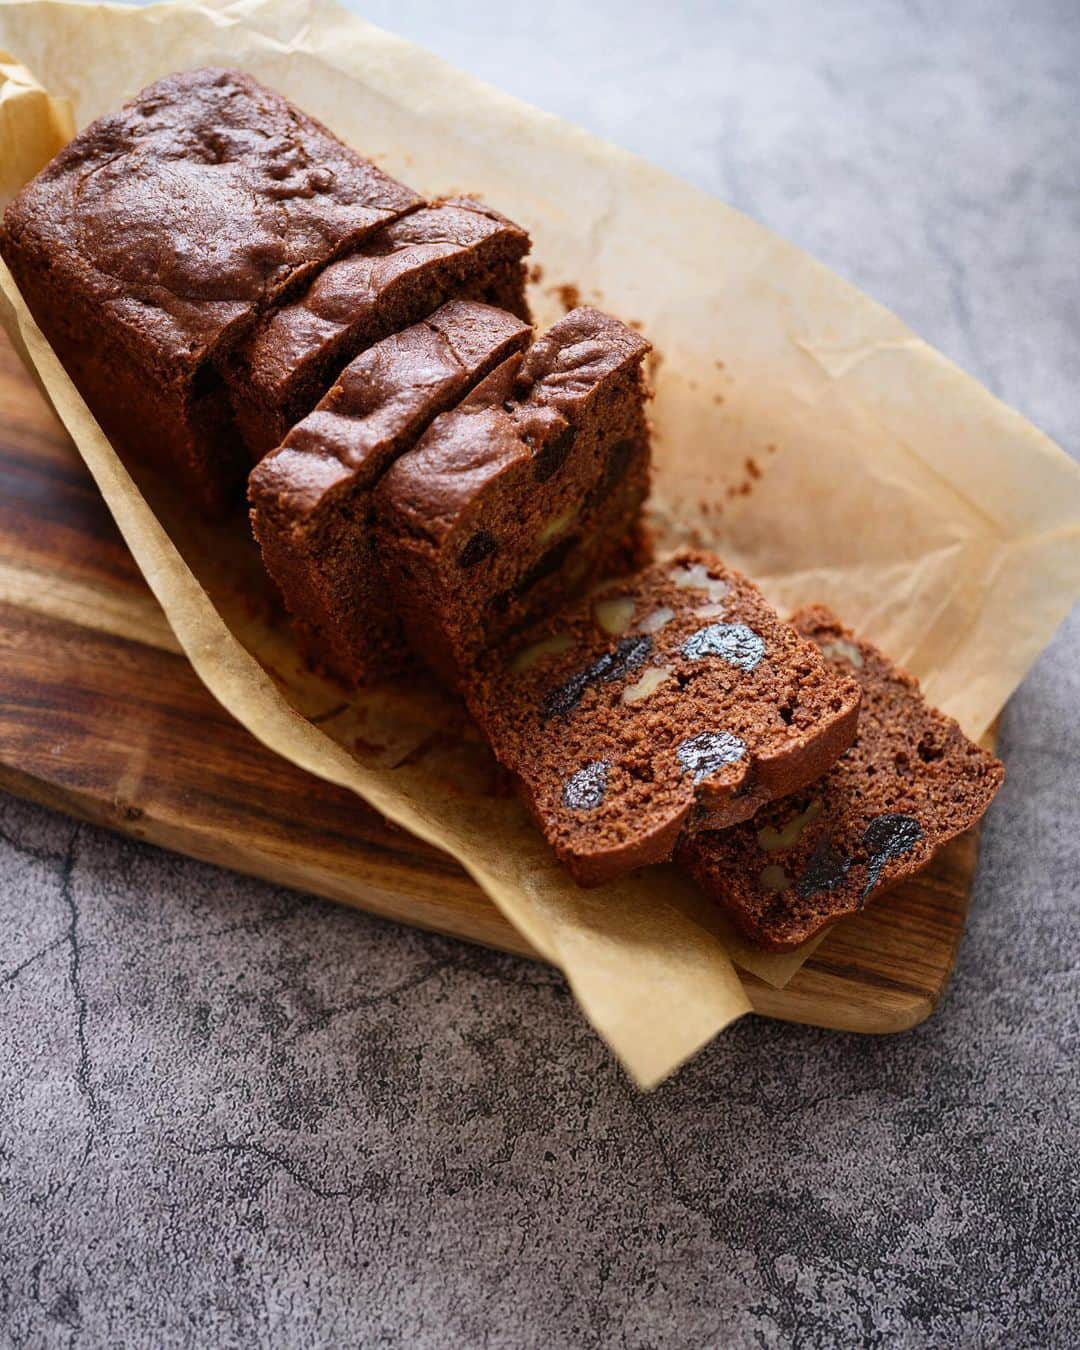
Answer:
(677, 685)
(381, 399)
(910, 782)
(199, 200)
(349, 289)
(525, 410)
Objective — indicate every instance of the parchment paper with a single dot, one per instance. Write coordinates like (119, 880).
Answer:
(800, 429)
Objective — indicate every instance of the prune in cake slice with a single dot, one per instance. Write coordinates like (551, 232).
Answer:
(153, 241)
(674, 691)
(311, 498)
(525, 492)
(910, 782)
(455, 249)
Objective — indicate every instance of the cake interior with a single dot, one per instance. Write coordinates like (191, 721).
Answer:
(675, 686)
(547, 502)
(910, 781)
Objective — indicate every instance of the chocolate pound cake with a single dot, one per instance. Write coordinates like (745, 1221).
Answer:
(154, 239)
(456, 249)
(677, 687)
(311, 498)
(527, 489)
(910, 782)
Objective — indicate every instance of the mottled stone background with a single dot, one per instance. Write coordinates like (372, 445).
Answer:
(231, 1115)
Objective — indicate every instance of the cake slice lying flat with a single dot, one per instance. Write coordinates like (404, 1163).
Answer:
(910, 782)
(677, 688)
(523, 493)
(311, 497)
(458, 249)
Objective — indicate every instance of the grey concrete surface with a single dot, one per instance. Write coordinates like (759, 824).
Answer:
(235, 1116)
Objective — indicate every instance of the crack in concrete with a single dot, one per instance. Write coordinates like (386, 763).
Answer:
(12, 975)
(330, 1015)
(245, 1148)
(692, 1203)
(83, 1071)
(41, 855)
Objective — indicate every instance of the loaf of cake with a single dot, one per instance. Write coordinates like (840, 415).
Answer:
(516, 498)
(227, 283)
(311, 498)
(457, 249)
(910, 782)
(678, 689)
(158, 235)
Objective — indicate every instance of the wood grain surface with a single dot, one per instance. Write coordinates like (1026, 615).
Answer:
(102, 717)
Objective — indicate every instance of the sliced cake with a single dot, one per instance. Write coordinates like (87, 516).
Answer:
(311, 498)
(676, 689)
(910, 782)
(458, 249)
(153, 241)
(528, 488)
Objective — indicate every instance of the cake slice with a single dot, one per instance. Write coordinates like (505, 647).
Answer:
(512, 501)
(910, 782)
(458, 249)
(153, 241)
(676, 689)
(311, 498)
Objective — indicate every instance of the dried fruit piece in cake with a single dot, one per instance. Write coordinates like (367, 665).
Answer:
(311, 498)
(155, 238)
(458, 248)
(521, 494)
(910, 782)
(676, 689)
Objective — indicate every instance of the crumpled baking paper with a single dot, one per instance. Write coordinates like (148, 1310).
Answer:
(801, 430)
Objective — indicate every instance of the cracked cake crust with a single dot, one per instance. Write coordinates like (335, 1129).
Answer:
(311, 498)
(455, 249)
(155, 238)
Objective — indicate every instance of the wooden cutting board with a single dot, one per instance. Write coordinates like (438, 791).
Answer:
(102, 717)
